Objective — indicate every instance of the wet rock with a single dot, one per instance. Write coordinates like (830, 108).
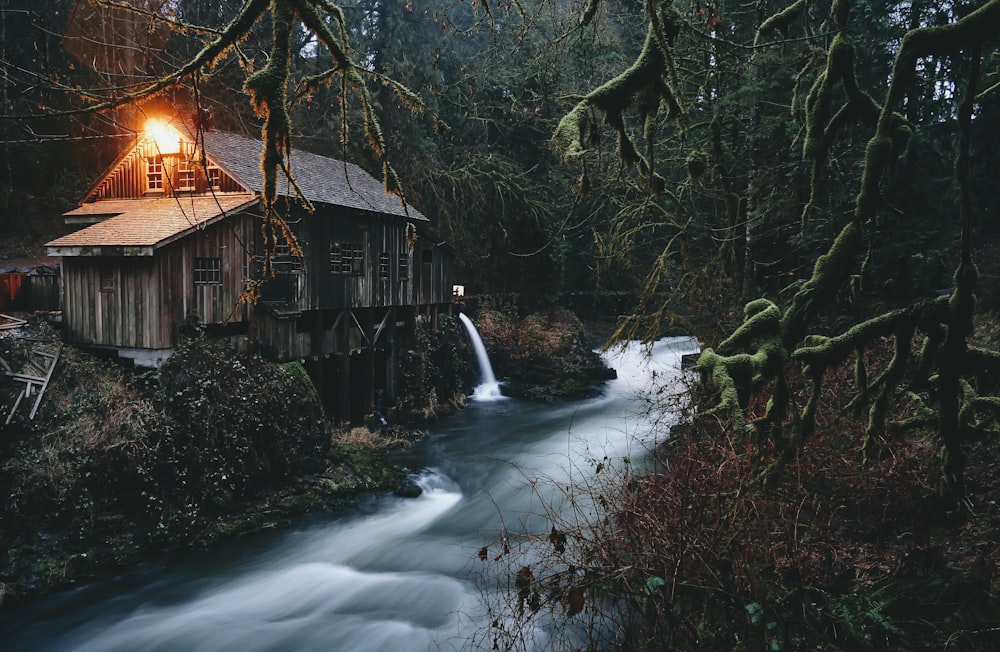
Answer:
(408, 490)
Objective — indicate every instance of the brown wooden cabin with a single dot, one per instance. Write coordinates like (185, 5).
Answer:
(166, 237)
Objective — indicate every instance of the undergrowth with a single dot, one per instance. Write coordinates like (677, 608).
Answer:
(118, 464)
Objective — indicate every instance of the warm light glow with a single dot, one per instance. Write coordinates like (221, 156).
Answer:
(166, 138)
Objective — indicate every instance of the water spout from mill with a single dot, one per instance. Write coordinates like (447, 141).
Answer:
(488, 388)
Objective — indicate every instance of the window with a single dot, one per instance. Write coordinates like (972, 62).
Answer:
(285, 262)
(154, 173)
(346, 258)
(336, 259)
(214, 176)
(107, 279)
(404, 267)
(383, 267)
(185, 175)
(207, 271)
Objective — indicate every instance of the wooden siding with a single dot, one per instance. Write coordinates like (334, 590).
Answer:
(128, 180)
(322, 332)
(138, 302)
(43, 292)
(425, 278)
(434, 273)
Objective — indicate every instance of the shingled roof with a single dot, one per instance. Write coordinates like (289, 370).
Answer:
(321, 179)
(139, 226)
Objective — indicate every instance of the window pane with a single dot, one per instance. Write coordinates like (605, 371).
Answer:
(185, 176)
(383, 267)
(346, 258)
(207, 271)
(154, 173)
(404, 267)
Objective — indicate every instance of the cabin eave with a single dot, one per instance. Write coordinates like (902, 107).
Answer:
(100, 250)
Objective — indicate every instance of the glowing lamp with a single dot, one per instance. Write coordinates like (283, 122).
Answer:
(166, 138)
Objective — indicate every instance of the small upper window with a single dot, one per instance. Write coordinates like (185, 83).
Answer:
(107, 279)
(154, 173)
(207, 271)
(214, 176)
(185, 175)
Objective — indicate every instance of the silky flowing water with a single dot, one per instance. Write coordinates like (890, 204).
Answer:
(396, 574)
(488, 388)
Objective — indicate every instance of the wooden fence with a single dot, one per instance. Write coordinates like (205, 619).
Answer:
(29, 291)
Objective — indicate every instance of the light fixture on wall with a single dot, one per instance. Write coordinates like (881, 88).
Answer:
(165, 137)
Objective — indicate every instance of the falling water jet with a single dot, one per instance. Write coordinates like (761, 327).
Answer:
(488, 388)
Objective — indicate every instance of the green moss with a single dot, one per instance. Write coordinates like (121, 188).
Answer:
(268, 94)
(696, 164)
(301, 380)
(877, 156)
(649, 81)
(984, 359)
(781, 21)
(570, 133)
(760, 318)
(734, 373)
(589, 12)
(829, 274)
(817, 109)
(820, 127)
(840, 13)
(716, 368)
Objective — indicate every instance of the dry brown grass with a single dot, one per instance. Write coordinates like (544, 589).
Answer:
(361, 436)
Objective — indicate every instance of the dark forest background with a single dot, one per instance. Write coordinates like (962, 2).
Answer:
(808, 186)
(726, 222)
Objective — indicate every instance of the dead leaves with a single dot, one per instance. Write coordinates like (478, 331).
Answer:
(710, 13)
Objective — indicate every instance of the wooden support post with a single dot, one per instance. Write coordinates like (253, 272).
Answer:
(367, 386)
(391, 358)
(316, 350)
(343, 385)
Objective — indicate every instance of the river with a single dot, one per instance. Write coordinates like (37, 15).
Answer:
(395, 574)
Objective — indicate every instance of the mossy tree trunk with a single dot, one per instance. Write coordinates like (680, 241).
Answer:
(780, 338)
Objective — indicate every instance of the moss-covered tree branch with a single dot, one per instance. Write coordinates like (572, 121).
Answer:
(757, 353)
(644, 86)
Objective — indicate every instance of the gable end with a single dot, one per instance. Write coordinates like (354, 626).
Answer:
(143, 171)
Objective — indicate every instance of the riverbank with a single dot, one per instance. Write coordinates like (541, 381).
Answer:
(394, 574)
(120, 467)
(543, 356)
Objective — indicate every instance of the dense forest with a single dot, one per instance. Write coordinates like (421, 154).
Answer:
(807, 186)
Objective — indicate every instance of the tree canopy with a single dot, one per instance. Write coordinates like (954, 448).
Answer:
(798, 182)
(824, 162)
